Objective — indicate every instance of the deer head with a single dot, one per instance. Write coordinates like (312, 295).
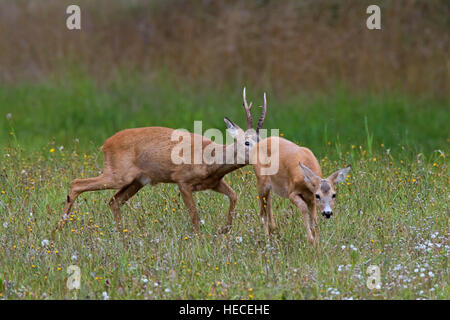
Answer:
(245, 140)
(324, 189)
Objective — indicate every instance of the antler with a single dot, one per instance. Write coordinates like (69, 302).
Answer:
(263, 114)
(247, 111)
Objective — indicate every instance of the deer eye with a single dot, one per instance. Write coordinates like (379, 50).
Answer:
(247, 143)
(334, 195)
(317, 197)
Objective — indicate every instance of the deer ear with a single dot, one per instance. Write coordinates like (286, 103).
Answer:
(340, 175)
(311, 179)
(232, 128)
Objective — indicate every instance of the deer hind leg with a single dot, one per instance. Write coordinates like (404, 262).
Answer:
(78, 186)
(272, 226)
(186, 194)
(225, 189)
(122, 196)
(265, 206)
(104, 181)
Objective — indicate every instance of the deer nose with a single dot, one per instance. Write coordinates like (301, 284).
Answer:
(327, 214)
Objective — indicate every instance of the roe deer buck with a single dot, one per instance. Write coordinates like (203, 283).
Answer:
(299, 178)
(136, 157)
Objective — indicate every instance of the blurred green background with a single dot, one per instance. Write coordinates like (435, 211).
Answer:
(330, 81)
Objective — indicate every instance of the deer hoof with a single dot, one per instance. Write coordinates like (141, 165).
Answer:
(225, 229)
(273, 230)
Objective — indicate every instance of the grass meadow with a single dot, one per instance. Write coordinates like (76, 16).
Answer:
(392, 211)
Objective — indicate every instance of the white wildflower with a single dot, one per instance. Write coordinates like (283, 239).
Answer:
(398, 267)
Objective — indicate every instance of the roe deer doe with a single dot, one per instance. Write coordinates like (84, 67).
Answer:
(299, 178)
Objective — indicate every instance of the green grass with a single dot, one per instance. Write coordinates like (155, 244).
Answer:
(393, 209)
(63, 110)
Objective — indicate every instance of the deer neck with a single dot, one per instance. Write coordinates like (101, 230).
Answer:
(229, 162)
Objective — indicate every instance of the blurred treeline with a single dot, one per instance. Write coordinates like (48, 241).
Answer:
(287, 44)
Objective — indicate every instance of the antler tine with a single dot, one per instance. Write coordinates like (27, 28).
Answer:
(247, 111)
(263, 114)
